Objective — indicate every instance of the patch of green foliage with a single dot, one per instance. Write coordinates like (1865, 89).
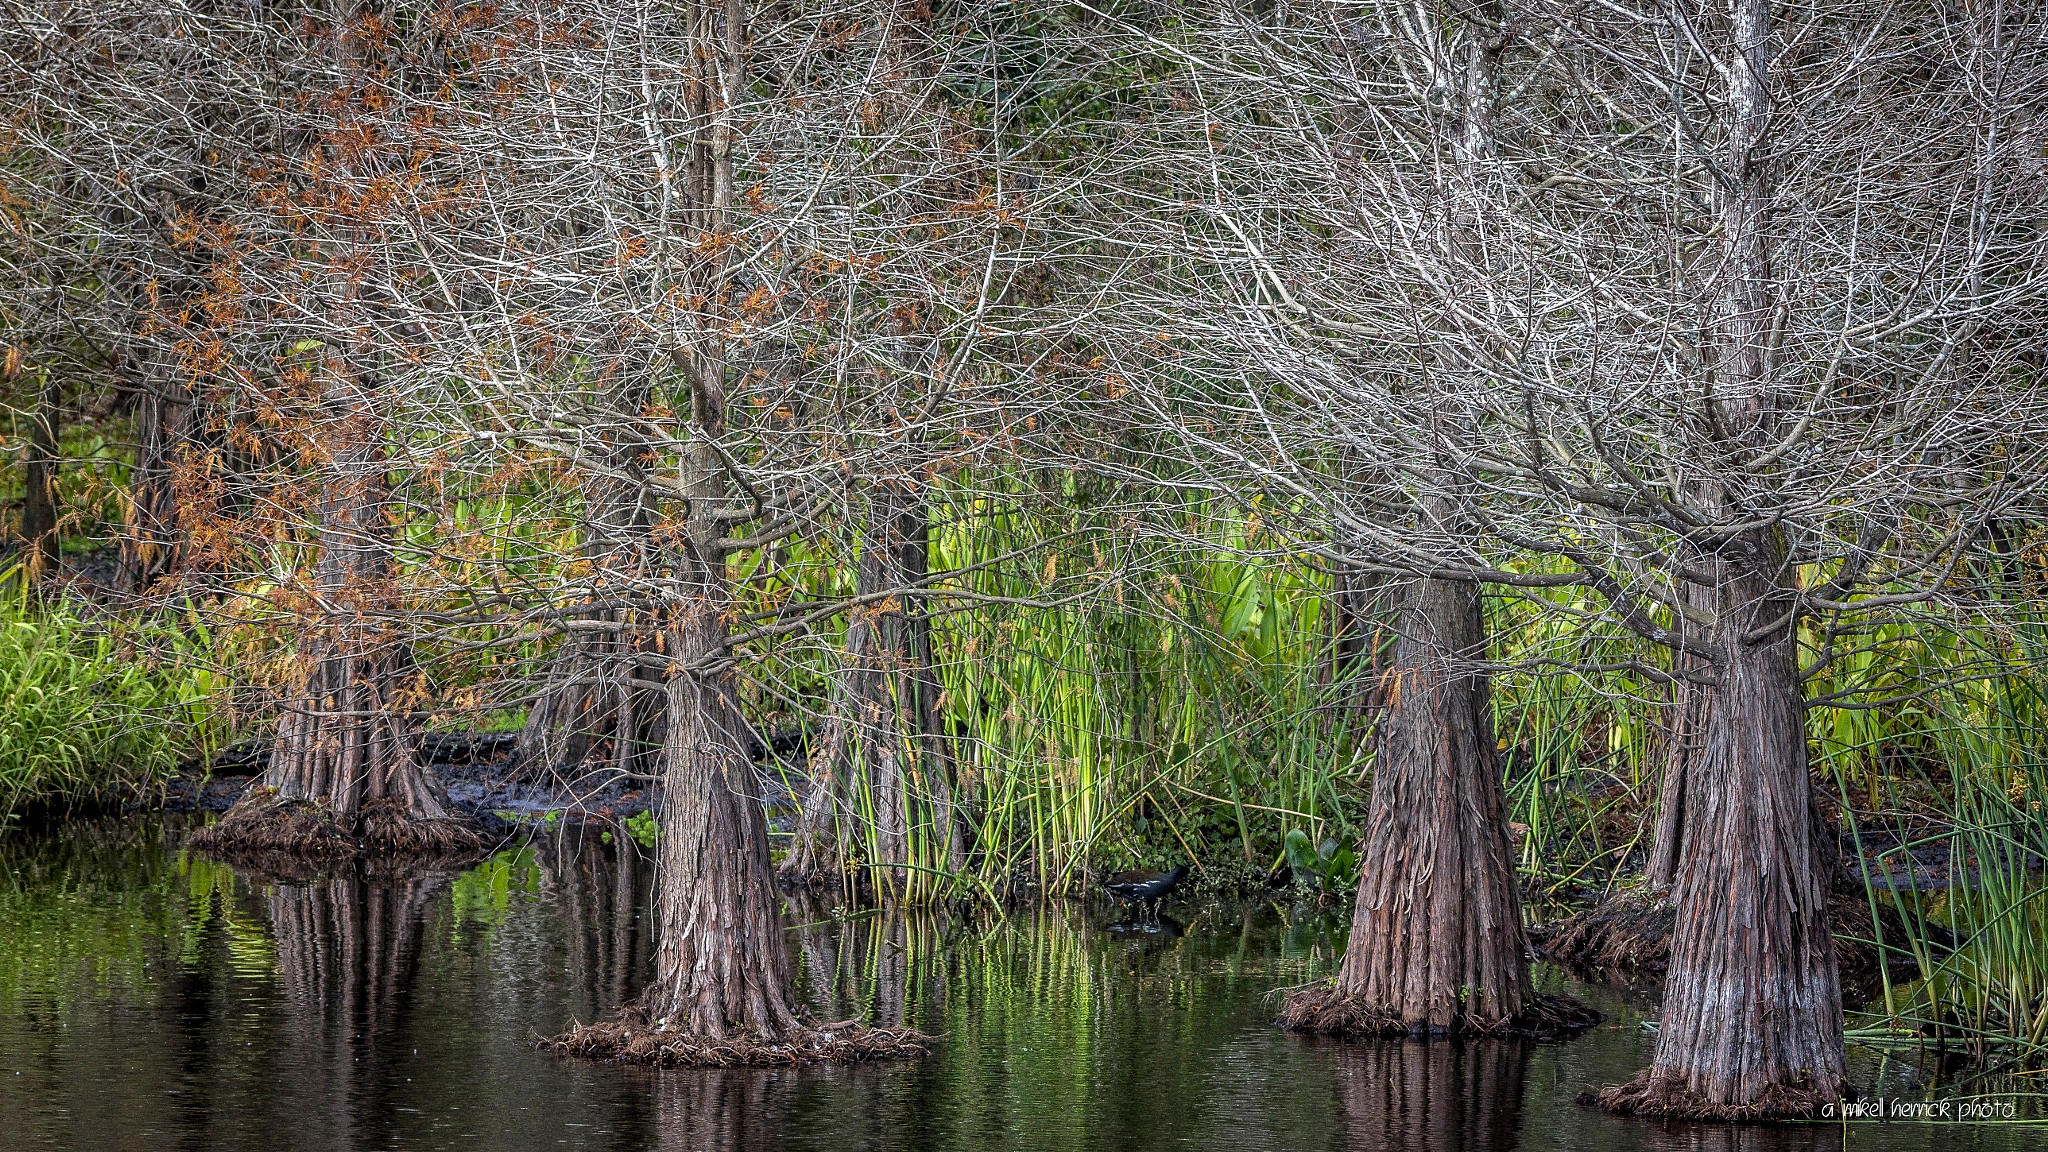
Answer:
(483, 895)
(1325, 867)
(641, 826)
(90, 707)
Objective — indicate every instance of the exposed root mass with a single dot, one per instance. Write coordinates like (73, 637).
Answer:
(387, 827)
(1667, 1097)
(1324, 1011)
(633, 1039)
(1629, 929)
(1632, 930)
(262, 824)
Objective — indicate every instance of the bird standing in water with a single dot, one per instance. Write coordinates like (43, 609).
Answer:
(1143, 886)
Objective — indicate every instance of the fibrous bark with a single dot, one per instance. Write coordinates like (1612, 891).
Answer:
(721, 993)
(880, 791)
(1752, 1004)
(152, 540)
(1436, 935)
(1752, 1023)
(345, 774)
(1631, 926)
(39, 479)
(1690, 714)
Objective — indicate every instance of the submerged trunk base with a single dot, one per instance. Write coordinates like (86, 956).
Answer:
(262, 823)
(1323, 1010)
(633, 1038)
(1668, 1097)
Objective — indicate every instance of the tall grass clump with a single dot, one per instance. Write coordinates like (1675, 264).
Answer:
(84, 713)
(1125, 699)
(1959, 772)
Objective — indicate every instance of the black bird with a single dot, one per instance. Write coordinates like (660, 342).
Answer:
(1143, 886)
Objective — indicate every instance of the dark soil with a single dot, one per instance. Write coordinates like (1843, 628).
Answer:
(475, 768)
(484, 784)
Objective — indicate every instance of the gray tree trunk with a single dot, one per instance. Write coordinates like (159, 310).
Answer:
(1752, 1003)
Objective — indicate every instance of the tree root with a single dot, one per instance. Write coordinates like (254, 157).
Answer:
(1669, 1098)
(1628, 929)
(1322, 1010)
(386, 827)
(261, 824)
(633, 1039)
(1631, 930)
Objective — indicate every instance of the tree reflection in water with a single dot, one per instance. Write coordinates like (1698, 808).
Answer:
(880, 966)
(1468, 1095)
(348, 948)
(716, 1109)
(601, 889)
(1440, 1095)
(150, 998)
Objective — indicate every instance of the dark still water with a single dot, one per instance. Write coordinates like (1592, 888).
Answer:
(155, 1000)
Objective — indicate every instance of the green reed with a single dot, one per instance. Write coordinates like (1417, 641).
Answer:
(1958, 769)
(90, 707)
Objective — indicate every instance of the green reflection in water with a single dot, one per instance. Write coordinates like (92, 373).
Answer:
(99, 907)
(151, 999)
(483, 895)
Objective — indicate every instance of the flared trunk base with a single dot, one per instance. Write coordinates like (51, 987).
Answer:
(591, 719)
(1629, 929)
(1668, 1098)
(633, 1037)
(1324, 1011)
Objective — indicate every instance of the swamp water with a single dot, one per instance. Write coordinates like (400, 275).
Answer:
(151, 999)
